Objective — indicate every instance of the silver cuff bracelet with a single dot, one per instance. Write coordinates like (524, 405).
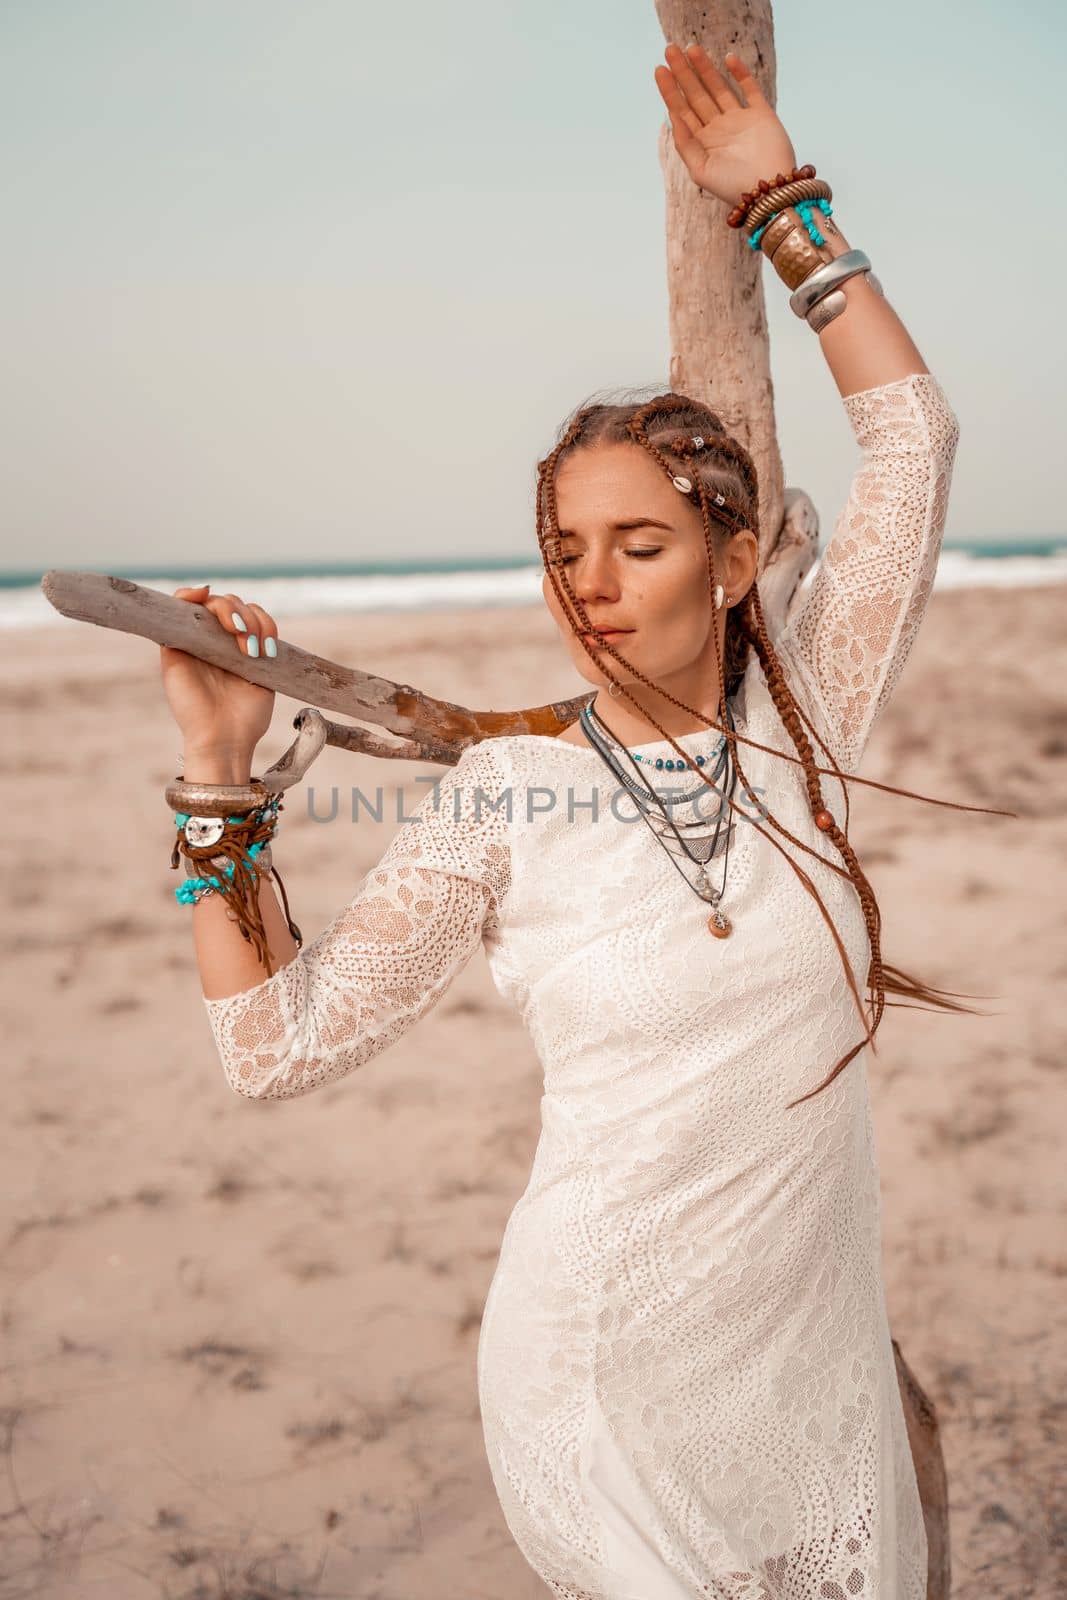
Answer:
(824, 281)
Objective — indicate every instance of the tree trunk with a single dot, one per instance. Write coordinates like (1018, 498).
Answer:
(720, 354)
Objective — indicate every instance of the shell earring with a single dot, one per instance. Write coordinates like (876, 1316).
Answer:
(720, 595)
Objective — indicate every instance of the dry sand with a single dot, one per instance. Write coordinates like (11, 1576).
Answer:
(239, 1337)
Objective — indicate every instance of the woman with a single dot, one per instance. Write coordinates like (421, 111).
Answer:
(685, 1370)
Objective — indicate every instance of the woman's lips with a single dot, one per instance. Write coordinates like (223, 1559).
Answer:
(609, 633)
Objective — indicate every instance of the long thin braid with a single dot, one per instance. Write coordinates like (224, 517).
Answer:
(787, 709)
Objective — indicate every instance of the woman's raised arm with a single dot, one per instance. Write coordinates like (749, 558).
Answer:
(851, 636)
(729, 138)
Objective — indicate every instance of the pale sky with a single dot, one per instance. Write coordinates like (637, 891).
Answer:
(317, 282)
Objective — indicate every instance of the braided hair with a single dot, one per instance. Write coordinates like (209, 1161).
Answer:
(684, 436)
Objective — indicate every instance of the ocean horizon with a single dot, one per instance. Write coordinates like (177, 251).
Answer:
(320, 588)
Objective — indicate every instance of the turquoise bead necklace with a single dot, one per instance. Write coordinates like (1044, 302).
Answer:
(718, 762)
(679, 766)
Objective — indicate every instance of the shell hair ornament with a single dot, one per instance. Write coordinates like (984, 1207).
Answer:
(682, 483)
(685, 486)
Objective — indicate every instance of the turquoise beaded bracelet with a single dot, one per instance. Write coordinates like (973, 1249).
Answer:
(803, 209)
(188, 892)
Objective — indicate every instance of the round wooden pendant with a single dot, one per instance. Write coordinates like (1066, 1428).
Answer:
(720, 925)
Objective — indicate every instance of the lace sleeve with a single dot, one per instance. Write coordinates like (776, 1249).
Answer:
(388, 957)
(850, 638)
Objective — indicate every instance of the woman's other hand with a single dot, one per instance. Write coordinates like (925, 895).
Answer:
(727, 143)
(217, 711)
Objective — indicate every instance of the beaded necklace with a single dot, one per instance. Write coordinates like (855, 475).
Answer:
(678, 766)
(698, 849)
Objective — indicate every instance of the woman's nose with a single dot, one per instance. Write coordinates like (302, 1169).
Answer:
(594, 578)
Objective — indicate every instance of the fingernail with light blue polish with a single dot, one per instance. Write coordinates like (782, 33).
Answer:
(270, 645)
(253, 644)
(238, 622)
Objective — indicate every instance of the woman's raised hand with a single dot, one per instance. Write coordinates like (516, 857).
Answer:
(727, 143)
(217, 712)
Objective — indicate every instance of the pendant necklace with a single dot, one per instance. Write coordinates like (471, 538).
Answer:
(657, 809)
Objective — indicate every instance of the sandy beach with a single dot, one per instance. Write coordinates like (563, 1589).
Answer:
(240, 1337)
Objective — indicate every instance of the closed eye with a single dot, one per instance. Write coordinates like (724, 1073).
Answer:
(641, 555)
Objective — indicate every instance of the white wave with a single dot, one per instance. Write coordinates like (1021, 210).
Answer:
(961, 569)
(339, 593)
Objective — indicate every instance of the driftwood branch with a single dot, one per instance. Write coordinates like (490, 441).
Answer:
(405, 722)
(423, 727)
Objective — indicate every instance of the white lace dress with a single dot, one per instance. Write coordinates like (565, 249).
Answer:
(685, 1372)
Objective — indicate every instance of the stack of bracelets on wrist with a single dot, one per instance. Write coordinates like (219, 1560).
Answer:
(777, 218)
(228, 827)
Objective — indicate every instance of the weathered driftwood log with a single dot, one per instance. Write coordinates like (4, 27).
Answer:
(425, 728)
(417, 726)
